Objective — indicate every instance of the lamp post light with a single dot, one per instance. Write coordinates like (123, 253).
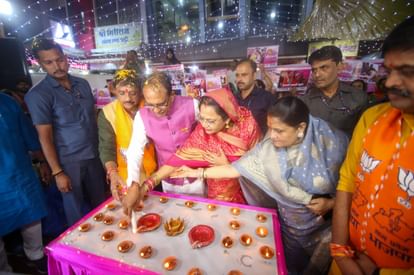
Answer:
(5, 9)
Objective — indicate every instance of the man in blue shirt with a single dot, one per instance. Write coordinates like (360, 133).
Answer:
(21, 196)
(62, 109)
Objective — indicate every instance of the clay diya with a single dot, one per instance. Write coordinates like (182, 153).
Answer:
(148, 222)
(195, 271)
(211, 207)
(235, 211)
(108, 220)
(145, 252)
(111, 206)
(235, 272)
(201, 235)
(227, 242)
(246, 239)
(125, 246)
(267, 252)
(261, 231)
(98, 217)
(85, 227)
(108, 236)
(174, 227)
(261, 218)
(235, 225)
(163, 199)
(123, 224)
(189, 204)
(170, 263)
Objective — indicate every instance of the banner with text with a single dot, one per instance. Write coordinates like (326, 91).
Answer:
(349, 48)
(118, 36)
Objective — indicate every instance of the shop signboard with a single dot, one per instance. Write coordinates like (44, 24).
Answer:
(118, 36)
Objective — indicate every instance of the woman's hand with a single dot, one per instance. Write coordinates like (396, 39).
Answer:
(185, 172)
(216, 159)
(117, 185)
(133, 197)
(320, 206)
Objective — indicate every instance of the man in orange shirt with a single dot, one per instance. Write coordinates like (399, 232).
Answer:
(373, 225)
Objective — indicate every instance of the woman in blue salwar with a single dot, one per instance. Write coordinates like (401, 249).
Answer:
(295, 170)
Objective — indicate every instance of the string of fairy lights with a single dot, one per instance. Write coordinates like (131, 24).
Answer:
(157, 38)
(270, 19)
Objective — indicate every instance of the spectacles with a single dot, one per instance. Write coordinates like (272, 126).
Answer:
(207, 122)
(159, 106)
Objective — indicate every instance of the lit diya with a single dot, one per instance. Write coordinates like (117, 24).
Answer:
(189, 204)
(261, 218)
(174, 227)
(227, 242)
(108, 236)
(84, 227)
(201, 235)
(108, 220)
(261, 231)
(148, 222)
(267, 252)
(111, 206)
(235, 272)
(235, 211)
(163, 199)
(145, 252)
(235, 225)
(195, 271)
(123, 224)
(211, 207)
(246, 239)
(170, 263)
(98, 217)
(125, 246)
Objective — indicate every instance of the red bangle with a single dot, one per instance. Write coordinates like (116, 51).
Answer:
(338, 250)
(150, 183)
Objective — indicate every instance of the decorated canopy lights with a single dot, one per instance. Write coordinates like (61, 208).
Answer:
(353, 19)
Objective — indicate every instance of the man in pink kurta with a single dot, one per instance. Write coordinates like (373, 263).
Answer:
(167, 120)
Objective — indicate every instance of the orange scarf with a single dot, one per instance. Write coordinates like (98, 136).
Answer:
(121, 122)
(382, 211)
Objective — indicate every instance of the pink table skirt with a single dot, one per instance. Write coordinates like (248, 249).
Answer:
(76, 252)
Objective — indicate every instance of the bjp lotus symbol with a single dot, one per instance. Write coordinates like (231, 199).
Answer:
(368, 163)
(406, 183)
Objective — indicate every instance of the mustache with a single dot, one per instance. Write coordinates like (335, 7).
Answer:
(398, 92)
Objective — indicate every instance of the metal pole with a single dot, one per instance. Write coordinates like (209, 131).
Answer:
(202, 21)
(95, 16)
(143, 13)
(67, 12)
(117, 11)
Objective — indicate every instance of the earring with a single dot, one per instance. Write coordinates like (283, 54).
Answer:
(227, 125)
(300, 135)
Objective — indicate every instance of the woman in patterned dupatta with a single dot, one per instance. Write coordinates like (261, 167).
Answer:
(224, 133)
(294, 169)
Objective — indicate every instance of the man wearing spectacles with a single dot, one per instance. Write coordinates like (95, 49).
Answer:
(333, 101)
(166, 119)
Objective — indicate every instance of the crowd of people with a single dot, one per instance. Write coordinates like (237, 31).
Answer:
(338, 172)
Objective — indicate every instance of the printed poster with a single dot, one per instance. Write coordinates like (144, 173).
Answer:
(176, 73)
(291, 76)
(264, 55)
